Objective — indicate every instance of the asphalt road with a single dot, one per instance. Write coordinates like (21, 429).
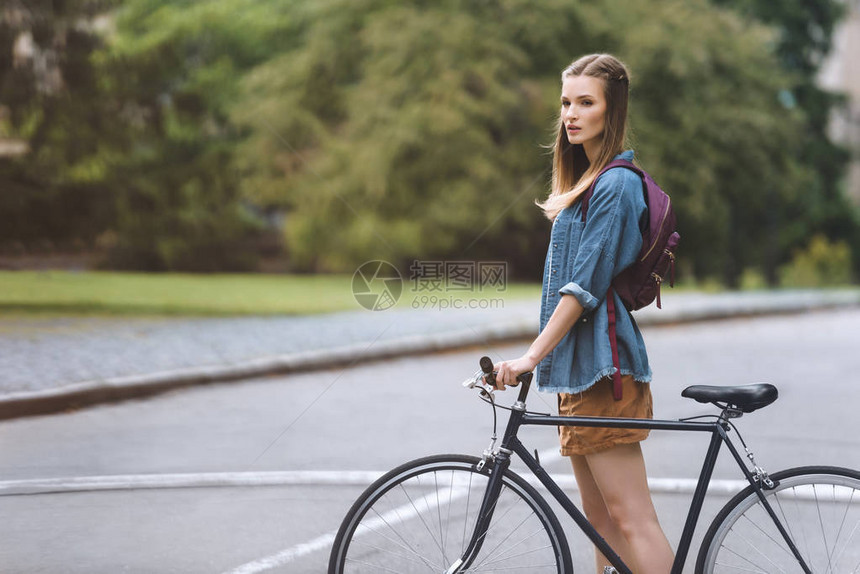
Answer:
(318, 436)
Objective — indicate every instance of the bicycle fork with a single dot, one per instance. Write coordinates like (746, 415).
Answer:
(501, 460)
(485, 516)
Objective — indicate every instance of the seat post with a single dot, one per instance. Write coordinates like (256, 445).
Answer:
(729, 412)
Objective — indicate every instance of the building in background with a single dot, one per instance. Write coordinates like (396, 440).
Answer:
(841, 73)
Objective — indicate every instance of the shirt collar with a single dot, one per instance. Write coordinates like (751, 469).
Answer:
(627, 155)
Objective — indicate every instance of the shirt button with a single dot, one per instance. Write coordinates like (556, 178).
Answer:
(585, 319)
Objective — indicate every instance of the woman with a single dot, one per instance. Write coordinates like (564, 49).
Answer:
(572, 354)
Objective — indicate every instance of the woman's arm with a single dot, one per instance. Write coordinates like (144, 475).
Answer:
(565, 316)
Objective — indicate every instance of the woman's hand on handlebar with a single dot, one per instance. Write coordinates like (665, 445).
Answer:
(507, 371)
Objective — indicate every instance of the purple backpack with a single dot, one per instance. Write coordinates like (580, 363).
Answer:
(639, 284)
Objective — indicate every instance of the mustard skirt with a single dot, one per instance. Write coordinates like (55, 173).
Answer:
(597, 401)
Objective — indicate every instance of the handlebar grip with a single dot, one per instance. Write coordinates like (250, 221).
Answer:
(487, 368)
(486, 365)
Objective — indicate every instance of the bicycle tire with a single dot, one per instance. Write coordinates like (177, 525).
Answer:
(417, 518)
(820, 509)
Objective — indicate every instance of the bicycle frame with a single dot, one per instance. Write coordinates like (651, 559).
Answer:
(511, 445)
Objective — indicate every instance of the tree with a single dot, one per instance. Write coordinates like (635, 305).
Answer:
(804, 38)
(408, 131)
(400, 131)
(172, 70)
(707, 113)
(49, 102)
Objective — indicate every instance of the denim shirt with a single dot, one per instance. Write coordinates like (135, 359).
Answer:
(581, 261)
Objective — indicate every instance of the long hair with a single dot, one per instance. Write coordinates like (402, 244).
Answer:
(572, 173)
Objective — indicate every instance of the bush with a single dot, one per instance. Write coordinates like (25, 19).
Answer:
(823, 263)
(753, 279)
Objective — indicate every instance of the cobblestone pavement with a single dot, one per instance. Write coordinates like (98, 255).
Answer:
(38, 354)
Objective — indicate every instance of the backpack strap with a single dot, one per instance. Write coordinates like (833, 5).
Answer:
(586, 197)
(613, 342)
(617, 393)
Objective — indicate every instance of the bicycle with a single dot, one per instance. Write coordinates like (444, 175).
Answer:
(459, 513)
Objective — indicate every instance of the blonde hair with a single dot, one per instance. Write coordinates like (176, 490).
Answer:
(572, 173)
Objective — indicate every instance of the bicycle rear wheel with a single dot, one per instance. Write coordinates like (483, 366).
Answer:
(420, 517)
(820, 509)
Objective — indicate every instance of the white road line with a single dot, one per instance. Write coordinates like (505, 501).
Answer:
(288, 478)
(566, 481)
(296, 478)
(202, 480)
(188, 480)
(324, 542)
(285, 556)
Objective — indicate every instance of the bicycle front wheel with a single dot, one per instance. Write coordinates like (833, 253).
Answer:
(420, 518)
(819, 507)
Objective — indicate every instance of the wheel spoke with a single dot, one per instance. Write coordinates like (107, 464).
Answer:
(778, 543)
(854, 530)
(821, 524)
(393, 554)
(421, 517)
(502, 541)
(508, 553)
(842, 523)
(758, 551)
(466, 522)
(404, 544)
(386, 519)
(745, 559)
(785, 519)
(374, 566)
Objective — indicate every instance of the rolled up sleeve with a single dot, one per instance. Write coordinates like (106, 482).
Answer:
(611, 238)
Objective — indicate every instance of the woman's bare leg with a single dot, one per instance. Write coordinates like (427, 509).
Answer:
(598, 515)
(619, 474)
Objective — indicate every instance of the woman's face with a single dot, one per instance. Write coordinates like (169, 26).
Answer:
(583, 111)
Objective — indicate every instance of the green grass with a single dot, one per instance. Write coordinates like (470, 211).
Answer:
(109, 293)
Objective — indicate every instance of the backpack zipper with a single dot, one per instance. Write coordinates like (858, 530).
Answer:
(659, 229)
(659, 281)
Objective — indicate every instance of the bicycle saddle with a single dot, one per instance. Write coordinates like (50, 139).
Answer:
(747, 398)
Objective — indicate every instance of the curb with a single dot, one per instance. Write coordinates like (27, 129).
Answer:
(717, 307)
(69, 397)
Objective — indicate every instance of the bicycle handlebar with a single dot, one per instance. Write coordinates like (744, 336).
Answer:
(486, 377)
